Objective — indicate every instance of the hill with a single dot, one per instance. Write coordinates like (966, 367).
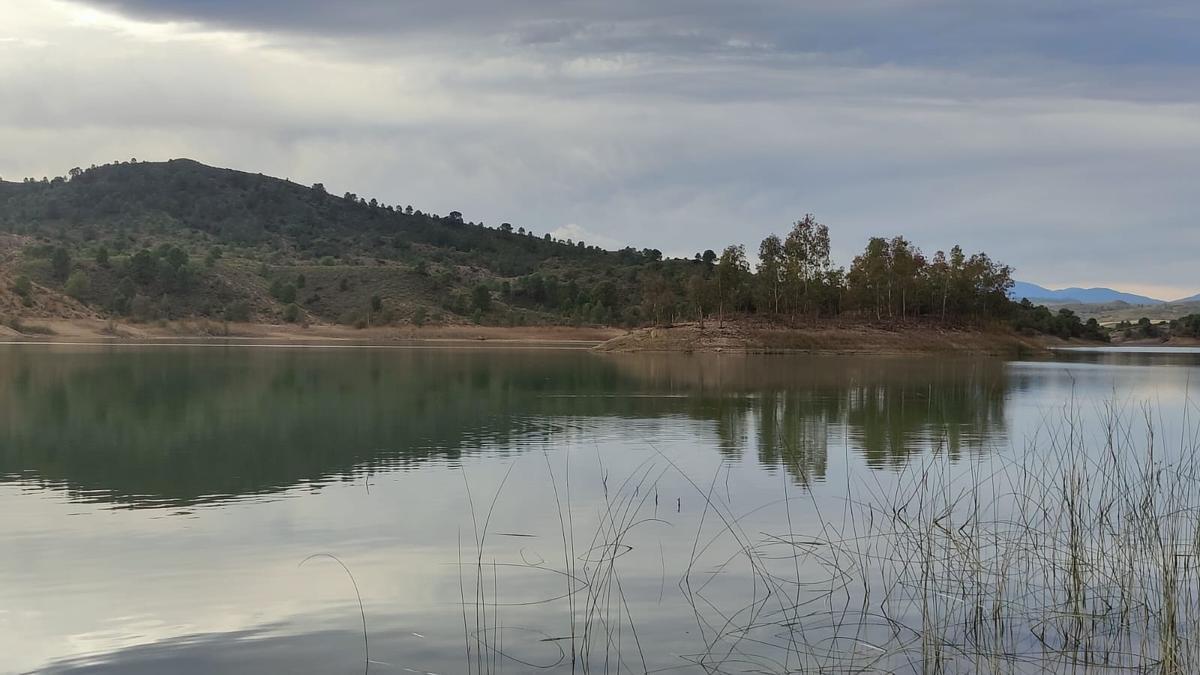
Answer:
(181, 239)
(1117, 312)
(1076, 296)
(149, 242)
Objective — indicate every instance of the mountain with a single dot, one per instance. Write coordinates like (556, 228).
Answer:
(1077, 296)
(1190, 298)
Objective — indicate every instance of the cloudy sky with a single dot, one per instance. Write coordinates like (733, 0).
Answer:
(1062, 136)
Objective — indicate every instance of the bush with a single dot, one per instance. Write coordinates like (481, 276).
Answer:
(481, 299)
(78, 285)
(291, 313)
(283, 292)
(238, 311)
(142, 308)
(418, 316)
(23, 287)
(1187, 326)
(1030, 319)
(60, 263)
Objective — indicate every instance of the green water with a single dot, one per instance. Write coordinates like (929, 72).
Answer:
(156, 503)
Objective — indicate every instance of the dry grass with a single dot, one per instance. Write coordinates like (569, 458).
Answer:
(1080, 554)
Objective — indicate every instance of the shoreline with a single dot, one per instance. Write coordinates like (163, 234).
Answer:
(834, 338)
(734, 337)
(98, 332)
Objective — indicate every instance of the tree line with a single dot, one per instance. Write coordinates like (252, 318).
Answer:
(795, 279)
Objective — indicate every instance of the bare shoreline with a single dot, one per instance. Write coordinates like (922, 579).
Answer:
(732, 337)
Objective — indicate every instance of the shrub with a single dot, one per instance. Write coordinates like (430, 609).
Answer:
(23, 287)
(283, 292)
(238, 311)
(78, 285)
(481, 299)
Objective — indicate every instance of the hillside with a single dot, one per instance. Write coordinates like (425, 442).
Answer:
(1117, 312)
(149, 242)
(181, 239)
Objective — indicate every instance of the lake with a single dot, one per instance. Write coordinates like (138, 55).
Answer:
(248, 509)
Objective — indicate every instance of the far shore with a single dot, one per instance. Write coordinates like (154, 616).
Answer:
(94, 330)
(713, 337)
(833, 338)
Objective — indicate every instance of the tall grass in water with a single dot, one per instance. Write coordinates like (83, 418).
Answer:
(1078, 553)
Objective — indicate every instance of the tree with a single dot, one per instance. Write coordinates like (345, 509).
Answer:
(78, 285)
(867, 280)
(376, 303)
(732, 272)
(102, 257)
(481, 298)
(23, 287)
(770, 271)
(907, 266)
(142, 267)
(806, 260)
(283, 292)
(60, 263)
(700, 292)
(657, 294)
(418, 316)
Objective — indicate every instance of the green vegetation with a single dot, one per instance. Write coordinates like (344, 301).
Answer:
(124, 238)
(1187, 326)
(1033, 319)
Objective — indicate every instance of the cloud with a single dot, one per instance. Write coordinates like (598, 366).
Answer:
(1042, 135)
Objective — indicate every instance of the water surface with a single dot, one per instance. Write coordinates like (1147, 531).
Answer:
(157, 503)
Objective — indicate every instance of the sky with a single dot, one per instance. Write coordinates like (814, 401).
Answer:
(1061, 137)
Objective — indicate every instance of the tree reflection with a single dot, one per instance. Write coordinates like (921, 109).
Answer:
(181, 426)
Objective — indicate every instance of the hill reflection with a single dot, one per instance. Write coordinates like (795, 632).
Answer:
(183, 426)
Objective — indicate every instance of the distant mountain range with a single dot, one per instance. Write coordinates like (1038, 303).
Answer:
(1081, 296)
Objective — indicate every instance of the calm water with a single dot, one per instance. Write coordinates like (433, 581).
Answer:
(159, 506)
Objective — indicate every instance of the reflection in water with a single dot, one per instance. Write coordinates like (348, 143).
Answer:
(182, 426)
(367, 455)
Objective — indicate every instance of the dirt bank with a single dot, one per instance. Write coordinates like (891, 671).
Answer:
(834, 339)
(88, 330)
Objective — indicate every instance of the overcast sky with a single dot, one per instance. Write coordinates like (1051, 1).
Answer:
(1060, 136)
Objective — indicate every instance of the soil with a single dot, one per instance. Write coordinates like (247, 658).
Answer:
(746, 337)
(79, 330)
